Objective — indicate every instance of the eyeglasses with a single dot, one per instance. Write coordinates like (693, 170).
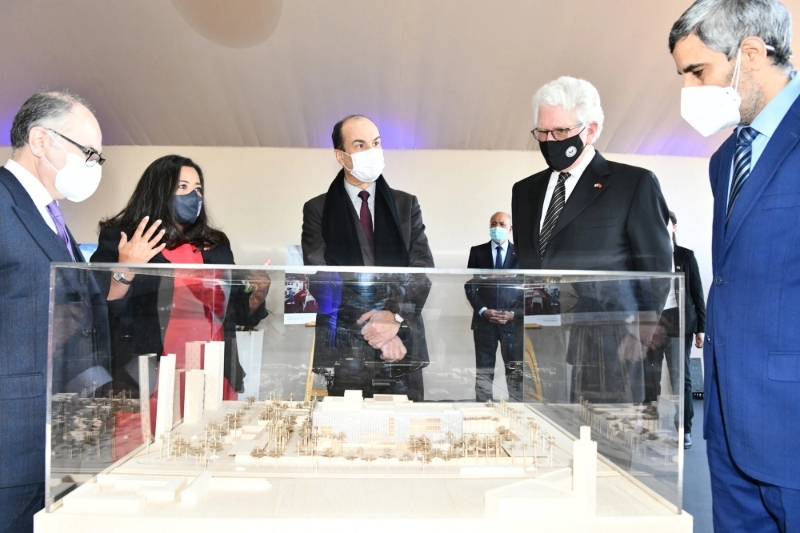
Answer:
(559, 134)
(92, 156)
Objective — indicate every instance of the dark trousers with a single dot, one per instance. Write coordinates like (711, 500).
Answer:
(670, 349)
(18, 505)
(486, 337)
(740, 503)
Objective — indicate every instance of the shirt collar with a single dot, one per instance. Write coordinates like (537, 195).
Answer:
(504, 246)
(771, 116)
(35, 189)
(353, 191)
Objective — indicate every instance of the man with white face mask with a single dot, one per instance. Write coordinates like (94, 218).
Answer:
(751, 355)
(374, 320)
(499, 308)
(56, 143)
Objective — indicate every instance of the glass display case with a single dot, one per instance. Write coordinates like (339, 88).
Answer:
(250, 396)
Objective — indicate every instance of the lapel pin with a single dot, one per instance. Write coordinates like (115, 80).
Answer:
(598, 185)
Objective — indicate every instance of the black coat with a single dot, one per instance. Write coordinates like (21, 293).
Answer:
(695, 315)
(138, 322)
(615, 219)
(505, 294)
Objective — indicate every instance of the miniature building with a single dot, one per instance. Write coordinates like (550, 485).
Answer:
(385, 419)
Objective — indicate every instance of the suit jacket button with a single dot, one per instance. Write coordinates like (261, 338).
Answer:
(717, 280)
(86, 334)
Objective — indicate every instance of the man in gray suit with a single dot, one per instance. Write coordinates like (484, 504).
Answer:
(56, 143)
(370, 334)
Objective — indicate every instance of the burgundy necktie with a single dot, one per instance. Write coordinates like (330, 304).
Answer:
(61, 227)
(366, 218)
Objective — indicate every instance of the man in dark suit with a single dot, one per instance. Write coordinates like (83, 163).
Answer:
(694, 326)
(586, 213)
(751, 355)
(498, 305)
(369, 334)
(56, 143)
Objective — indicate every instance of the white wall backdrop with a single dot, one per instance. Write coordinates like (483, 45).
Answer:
(256, 195)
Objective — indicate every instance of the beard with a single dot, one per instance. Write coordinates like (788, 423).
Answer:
(752, 95)
(753, 100)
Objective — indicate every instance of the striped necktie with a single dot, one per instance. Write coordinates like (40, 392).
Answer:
(556, 206)
(741, 164)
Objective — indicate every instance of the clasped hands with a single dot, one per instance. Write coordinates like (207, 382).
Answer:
(380, 331)
(495, 316)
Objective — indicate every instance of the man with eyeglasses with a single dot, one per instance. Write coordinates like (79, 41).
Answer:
(56, 144)
(586, 213)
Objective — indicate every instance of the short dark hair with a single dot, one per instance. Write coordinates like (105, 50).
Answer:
(153, 197)
(45, 107)
(336, 136)
(722, 25)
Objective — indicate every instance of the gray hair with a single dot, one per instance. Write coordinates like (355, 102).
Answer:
(571, 93)
(45, 108)
(722, 25)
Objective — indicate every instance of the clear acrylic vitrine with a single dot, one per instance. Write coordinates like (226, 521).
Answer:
(498, 395)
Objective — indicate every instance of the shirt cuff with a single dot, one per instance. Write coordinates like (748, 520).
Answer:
(480, 313)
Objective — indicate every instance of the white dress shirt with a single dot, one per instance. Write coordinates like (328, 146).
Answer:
(672, 298)
(569, 184)
(353, 191)
(35, 189)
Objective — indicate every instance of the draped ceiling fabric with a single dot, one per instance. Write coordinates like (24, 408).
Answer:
(433, 74)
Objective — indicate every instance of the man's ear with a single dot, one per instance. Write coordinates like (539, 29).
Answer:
(38, 140)
(754, 53)
(591, 131)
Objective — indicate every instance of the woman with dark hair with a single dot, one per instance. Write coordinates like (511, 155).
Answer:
(166, 221)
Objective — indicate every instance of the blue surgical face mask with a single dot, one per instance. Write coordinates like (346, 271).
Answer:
(498, 234)
(187, 208)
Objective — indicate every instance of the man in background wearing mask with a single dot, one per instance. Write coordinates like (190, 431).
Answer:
(369, 326)
(734, 59)
(56, 143)
(498, 304)
(586, 213)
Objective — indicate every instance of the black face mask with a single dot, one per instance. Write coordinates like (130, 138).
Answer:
(562, 154)
(187, 208)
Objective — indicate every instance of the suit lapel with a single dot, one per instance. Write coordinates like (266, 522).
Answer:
(485, 255)
(511, 254)
(537, 193)
(32, 220)
(720, 191)
(782, 142)
(585, 191)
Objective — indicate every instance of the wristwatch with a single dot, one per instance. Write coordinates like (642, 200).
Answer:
(400, 320)
(119, 277)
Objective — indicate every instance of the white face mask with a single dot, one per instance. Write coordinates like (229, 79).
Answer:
(367, 165)
(711, 108)
(76, 181)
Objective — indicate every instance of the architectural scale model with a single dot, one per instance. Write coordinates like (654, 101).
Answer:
(374, 463)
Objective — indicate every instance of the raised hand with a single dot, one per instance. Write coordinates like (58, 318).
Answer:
(143, 246)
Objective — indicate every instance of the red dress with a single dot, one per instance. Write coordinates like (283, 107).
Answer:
(198, 311)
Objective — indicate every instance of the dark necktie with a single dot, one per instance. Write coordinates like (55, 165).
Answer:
(556, 206)
(61, 227)
(366, 218)
(498, 260)
(741, 164)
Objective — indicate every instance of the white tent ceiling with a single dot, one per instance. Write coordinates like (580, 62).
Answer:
(433, 74)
